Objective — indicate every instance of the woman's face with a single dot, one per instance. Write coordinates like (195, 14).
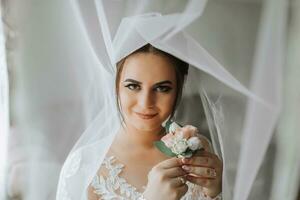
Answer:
(147, 91)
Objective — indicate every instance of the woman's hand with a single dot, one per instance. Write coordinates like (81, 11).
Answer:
(205, 169)
(166, 181)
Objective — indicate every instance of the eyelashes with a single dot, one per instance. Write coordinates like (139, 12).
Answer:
(164, 89)
(160, 88)
(134, 87)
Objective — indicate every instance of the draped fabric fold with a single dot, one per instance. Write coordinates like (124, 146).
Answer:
(4, 109)
(165, 30)
(237, 90)
(266, 82)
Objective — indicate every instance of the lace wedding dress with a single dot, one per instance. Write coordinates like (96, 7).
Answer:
(113, 187)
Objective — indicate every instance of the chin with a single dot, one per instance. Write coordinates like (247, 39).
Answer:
(146, 126)
(139, 123)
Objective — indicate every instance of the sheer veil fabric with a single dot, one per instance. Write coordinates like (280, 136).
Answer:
(230, 106)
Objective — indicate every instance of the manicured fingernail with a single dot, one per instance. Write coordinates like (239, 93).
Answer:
(186, 168)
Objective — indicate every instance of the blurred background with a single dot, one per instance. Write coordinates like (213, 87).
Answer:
(42, 110)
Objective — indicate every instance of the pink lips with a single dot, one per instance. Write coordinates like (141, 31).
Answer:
(146, 116)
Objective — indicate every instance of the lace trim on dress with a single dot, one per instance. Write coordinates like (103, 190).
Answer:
(114, 187)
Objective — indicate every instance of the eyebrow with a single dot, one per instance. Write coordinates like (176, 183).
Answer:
(132, 81)
(138, 82)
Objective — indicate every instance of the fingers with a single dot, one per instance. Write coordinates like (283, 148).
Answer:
(167, 169)
(182, 189)
(213, 186)
(178, 181)
(204, 182)
(170, 163)
(179, 191)
(204, 164)
(198, 160)
(205, 159)
(175, 172)
(202, 172)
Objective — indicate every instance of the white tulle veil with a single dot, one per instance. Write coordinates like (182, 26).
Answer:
(237, 114)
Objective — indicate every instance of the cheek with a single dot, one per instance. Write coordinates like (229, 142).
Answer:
(166, 104)
(126, 100)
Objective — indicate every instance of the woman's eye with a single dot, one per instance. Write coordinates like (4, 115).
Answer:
(163, 89)
(133, 86)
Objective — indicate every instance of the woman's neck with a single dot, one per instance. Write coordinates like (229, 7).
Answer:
(135, 146)
(138, 139)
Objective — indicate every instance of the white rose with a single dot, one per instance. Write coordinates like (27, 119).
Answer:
(179, 135)
(169, 143)
(173, 127)
(194, 143)
(179, 146)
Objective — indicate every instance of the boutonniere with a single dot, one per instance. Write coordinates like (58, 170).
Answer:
(180, 141)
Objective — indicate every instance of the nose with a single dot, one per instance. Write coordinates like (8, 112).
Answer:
(146, 99)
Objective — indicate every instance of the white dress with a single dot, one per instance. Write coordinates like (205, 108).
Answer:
(114, 187)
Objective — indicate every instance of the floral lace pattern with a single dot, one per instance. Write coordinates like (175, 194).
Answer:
(114, 187)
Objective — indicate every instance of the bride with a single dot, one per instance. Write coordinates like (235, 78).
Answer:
(135, 86)
(149, 85)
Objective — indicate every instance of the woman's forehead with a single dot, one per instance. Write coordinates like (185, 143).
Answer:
(148, 67)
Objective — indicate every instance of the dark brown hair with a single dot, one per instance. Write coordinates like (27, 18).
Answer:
(181, 70)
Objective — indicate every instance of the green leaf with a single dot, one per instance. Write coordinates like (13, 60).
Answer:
(168, 124)
(164, 149)
(187, 154)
